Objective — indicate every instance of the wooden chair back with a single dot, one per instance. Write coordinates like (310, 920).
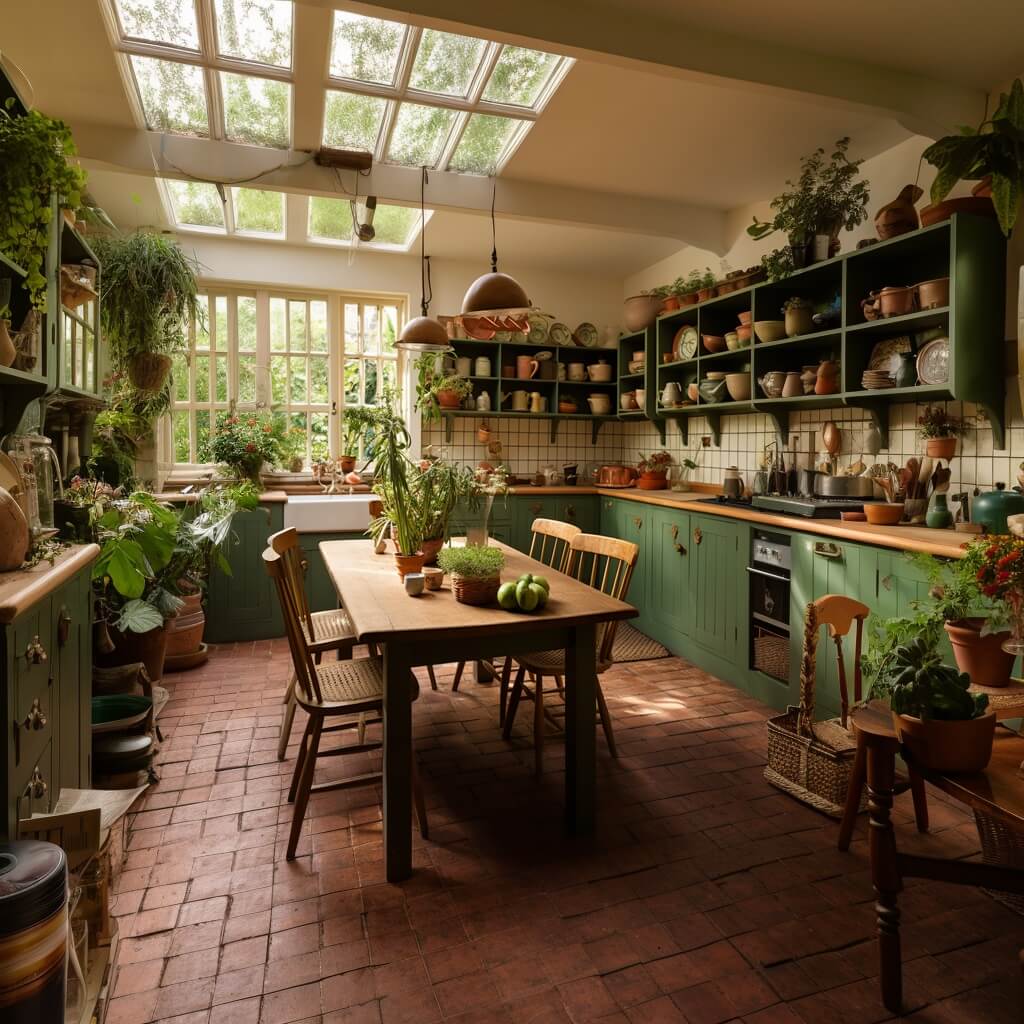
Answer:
(294, 565)
(551, 543)
(606, 564)
(839, 613)
(305, 672)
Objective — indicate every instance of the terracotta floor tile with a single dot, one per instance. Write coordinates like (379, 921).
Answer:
(293, 970)
(242, 1011)
(141, 977)
(292, 1004)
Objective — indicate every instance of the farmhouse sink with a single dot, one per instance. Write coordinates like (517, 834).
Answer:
(328, 513)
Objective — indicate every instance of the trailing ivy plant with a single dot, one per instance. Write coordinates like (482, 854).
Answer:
(33, 169)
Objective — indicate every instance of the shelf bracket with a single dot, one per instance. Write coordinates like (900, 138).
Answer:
(996, 418)
(449, 428)
(659, 426)
(554, 429)
(715, 422)
(595, 429)
(781, 420)
(683, 424)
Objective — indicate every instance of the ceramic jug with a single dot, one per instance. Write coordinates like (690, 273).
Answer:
(772, 383)
(482, 366)
(793, 385)
(483, 402)
(520, 401)
(577, 371)
(526, 368)
(671, 394)
(536, 401)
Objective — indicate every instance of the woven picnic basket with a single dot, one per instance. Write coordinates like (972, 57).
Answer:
(811, 760)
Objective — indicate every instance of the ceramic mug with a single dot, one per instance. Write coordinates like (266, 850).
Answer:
(520, 401)
(414, 583)
(627, 400)
(641, 395)
(482, 367)
(526, 368)
(577, 371)
(600, 405)
(433, 577)
(536, 402)
(463, 366)
(560, 375)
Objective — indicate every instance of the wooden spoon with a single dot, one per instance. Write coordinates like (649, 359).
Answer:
(832, 438)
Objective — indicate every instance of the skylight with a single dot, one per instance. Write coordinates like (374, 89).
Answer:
(255, 30)
(366, 49)
(258, 212)
(446, 63)
(197, 206)
(256, 110)
(419, 134)
(172, 22)
(352, 121)
(395, 227)
(172, 95)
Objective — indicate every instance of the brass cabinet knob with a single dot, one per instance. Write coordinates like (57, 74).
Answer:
(638, 522)
(698, 535)
(680, 550)
(36, 718)
(570, 511)
(35, 653)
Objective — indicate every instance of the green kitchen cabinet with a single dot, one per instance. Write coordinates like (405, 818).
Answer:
(611, 517)
(636, 527)
(579, 510)
(525, 509)
(320, 591)
(668, 577)
(901, 583)
(718, 587)
(244, 605)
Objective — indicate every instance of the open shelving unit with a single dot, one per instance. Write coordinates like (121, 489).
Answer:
(970, 250)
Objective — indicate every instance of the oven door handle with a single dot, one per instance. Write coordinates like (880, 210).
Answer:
(770, 575)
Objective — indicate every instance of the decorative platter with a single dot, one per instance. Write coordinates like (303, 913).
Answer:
(933, 362)
(559, 334)
(885, 355)
(538, 329)
(586, 335)
(684, 345)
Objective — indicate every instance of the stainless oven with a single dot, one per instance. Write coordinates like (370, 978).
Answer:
(769, 571)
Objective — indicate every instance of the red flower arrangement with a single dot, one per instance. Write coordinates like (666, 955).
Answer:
(1000, 577)
(244, 441)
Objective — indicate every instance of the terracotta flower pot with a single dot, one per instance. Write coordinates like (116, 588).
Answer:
(981, 657)
(430, 549)
(670, 303)
(706, 293)
(348, 463)
(185, 630)
(940, 448)
(409, 563)
(149, 648)
(653, 480)
(963, 746)
(689, 299)
(449, 399)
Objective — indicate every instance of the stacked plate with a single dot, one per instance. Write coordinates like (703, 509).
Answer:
(877, 380)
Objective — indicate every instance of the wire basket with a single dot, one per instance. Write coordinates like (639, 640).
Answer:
(474, 591)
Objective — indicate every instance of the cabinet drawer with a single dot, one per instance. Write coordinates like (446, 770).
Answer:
(33, 672)
(36, 789)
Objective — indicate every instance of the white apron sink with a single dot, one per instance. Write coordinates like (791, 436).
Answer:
(328, 513)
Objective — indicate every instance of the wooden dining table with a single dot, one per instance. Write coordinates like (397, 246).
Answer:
(434, 629)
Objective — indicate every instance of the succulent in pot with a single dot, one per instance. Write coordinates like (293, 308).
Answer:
(940, 431)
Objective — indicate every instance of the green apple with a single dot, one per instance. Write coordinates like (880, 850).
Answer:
(541, 581)
(526, 596)
(542, 594)
(507, 596)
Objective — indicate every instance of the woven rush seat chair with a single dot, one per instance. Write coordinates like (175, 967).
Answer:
(607, 565)
(348, 690)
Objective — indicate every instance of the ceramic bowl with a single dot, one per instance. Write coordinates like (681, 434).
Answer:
(884, 514)
(745, 318)
(738, 386)
(600, 373)
(600, 405)
(770, 330)
(639, 355)
(641, 396)
(567, 405)
(715, 375)
(732, 341)
(744, 331)
(714, 342)
(636, 366)
(668, 357)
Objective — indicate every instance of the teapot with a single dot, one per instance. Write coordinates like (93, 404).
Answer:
(772, 383)
(671, 394)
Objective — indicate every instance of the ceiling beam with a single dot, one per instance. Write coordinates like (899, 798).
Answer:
(152, 154)
(681, 48)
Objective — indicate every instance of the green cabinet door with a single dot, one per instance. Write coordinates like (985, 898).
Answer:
(717, 586)
(72, 632)
(668, 576)
(902, 582)
(580, 511)
(822, 566)
(244, 605)
(526, 508)
(635, 526)
(611, 517)
(320, 591)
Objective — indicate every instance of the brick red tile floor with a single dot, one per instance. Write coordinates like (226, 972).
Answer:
(705, 896)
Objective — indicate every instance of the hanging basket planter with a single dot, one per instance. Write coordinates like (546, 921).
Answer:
(148, 371)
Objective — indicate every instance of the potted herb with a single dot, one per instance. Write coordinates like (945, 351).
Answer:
(640, 311)
(828, 196)
(991, 153)
(475, 573)
(669, 298)
(940, 431)
(944, 727)
(355, 422)
(799, 316)
(292, 449)
(71, 513)
(451, 391)
(778, 264)
(149, 299)
(706, 285)
(653, 470)
(34, 169)
(442, 485)
(244, 441)
(687, 288)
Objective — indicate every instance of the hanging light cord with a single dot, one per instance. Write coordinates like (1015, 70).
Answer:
(494, 231)
(426, 289)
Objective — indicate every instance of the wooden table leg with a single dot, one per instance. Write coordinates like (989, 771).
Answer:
(482, 673)
(397, 764)
(885, 876)
(580, 728)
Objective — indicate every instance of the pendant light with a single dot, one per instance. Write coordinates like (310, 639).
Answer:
(424, 333)
(494, 290)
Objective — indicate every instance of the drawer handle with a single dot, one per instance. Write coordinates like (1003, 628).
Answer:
(37, 787)
(536, 507)
(35, 653)
(698, 535)
(36, 717)
(570, 511)
(63, 627)
(680, 550)
(828, 549)
(638, 522)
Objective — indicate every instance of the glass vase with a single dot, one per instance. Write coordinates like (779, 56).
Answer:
(1015, 604)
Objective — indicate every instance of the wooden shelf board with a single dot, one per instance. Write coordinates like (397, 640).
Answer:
(909, 322)
(816, 337)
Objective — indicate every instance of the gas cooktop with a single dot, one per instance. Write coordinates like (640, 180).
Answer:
(809, 508)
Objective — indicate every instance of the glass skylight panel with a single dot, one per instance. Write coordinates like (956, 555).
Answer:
(256, 110)
(394, 224)
(196, 204)
(519, 76)
(330, 219)
(366, 49)
(166, 21)
(258, 211)
(419, 134)
(445, 63)
(352, 121)
(255, 30)
(483, 144)
(173, 96)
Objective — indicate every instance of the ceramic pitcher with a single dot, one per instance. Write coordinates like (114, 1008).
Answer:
(526, 368)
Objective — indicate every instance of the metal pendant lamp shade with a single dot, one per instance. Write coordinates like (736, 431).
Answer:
(423, 333)
(494, 290)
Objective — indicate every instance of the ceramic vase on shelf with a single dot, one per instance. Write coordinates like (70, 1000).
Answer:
(939, 516)
(827, 382)
(793, 385)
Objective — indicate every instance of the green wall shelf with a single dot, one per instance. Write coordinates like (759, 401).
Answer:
(971, 251)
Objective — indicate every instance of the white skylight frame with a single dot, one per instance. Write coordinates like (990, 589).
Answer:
(230, 228)
(352, 243)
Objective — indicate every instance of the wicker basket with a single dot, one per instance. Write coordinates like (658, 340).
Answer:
(474, 591)
(148, 370)
(1003, 846)
(810, 760)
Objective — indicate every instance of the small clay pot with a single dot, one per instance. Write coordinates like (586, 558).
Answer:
(433, 577)
(348, 463)
(430, 549)
(669, 304)
(945, 746)
(448, 399)
(409, 563)
(981, 657)
(933, 294)
(896, 301)
(798, 321)
(940, 448)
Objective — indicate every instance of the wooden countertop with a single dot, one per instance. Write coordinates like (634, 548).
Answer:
(946, 543)
(22, 588)
(177, 498)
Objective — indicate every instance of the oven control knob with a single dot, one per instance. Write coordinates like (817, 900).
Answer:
(769, 603)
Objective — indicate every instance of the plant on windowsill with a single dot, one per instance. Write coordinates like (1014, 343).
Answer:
(356, 421)
(475, 573)
(243, 442)
(148, 302)
(653, 470)
(442, 486)
(940, 431)
(451, 391)
(293, 449)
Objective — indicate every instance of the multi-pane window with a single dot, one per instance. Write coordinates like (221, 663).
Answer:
(284, 352)
(371, 364)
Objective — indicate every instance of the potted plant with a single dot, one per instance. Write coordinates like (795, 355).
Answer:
(135, 595)
(451, 391)
(668, 296)
(706, 285)
(442, 485)
(355, 422)
(687, 289)
(940, 431)
(149, 299)
(944, 727)
(475, 573)
(992, 154)
(292, 449)
(34, 169)
(828, 196)
(71, 513)
(975, 624)
(798, 314)
(640, 311)
(244, 441)
(778, 264)
(1001, 579)
(653, 470)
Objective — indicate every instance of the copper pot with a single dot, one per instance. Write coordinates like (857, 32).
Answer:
(616, 476)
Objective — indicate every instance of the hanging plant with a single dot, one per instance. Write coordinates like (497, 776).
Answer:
(33, 170)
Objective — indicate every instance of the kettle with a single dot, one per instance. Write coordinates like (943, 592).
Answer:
(732, 483)
(991, 508)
